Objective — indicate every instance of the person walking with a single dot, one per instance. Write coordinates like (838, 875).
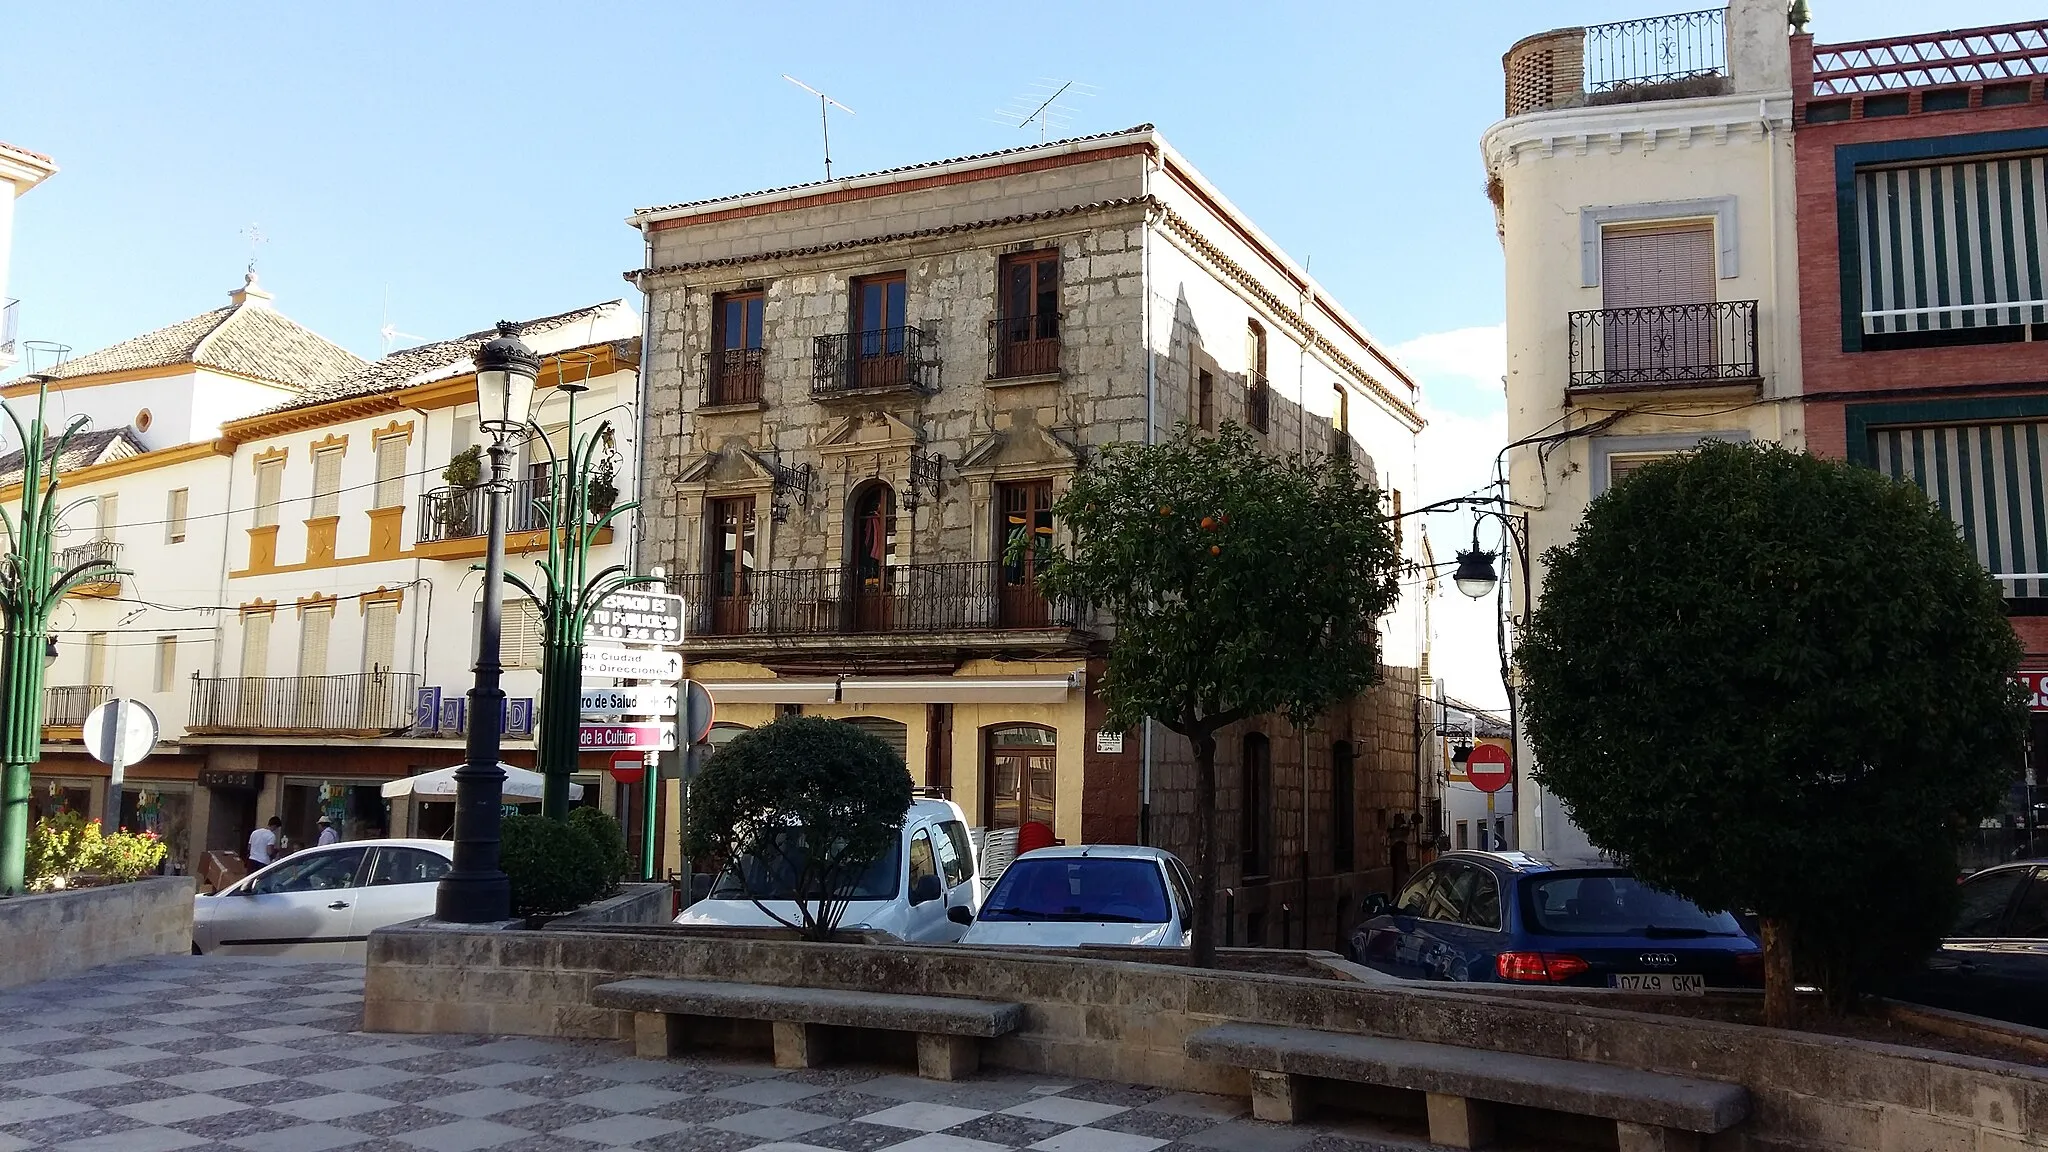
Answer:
(327, 833)
(263, 843)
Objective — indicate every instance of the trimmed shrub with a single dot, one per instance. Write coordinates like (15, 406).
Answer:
(67, 844)
(126, 856)
(554, 865)
(603, 829)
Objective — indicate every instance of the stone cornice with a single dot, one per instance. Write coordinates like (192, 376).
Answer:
(1646, 126)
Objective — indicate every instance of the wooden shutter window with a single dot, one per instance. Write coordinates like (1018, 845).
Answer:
(96, 671)
(256, 644)
(314, 626)
(1620, 468)
(380, 636)
(166, 662)
(1657, 268)
(390, 489)
(110, 513)
(269, 490)
(179, 502)
(326, 483)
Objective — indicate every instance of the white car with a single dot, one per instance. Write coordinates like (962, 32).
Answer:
(924, 889)
(322, 902)
(1090, 894)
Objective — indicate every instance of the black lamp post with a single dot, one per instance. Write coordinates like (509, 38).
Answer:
(475, 890)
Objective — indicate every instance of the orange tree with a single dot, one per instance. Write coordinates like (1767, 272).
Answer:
(1239, 583)
(1772, 682)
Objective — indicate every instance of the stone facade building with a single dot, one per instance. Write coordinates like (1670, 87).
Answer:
(864, 397)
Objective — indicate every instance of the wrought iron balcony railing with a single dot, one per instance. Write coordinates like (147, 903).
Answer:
(1258, 402)
(67, 705)
(107, 551)
(10, 321)
(909, 598)
(454, 513)
(360, 703)
(1674, 344)
(1024, 345)
(878, 360)
(1656, 50)
(732, 376)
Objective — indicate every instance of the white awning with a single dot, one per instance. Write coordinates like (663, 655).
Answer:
(772, 690)
(956, 689)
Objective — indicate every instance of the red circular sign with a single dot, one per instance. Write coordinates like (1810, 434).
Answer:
(628, 768)
(1487, 767)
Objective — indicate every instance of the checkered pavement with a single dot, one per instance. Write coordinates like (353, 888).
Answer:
(261, 1055)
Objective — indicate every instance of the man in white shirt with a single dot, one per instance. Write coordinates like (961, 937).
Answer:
(263, 843)
(327, 833)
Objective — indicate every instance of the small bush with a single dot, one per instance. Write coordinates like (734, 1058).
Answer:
(554, 865)
(602, 828)
(66, 844)
(126, 856)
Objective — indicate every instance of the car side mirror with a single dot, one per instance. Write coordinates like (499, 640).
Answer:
(960, 915)
(927, 888)
(1374, 905)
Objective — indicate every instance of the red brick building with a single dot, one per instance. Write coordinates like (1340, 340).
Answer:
(1922, 177)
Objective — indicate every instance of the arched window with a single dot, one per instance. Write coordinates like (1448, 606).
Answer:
(1019, 777)
(1255, 802)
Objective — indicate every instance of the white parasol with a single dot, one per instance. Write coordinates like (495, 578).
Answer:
(520, 784)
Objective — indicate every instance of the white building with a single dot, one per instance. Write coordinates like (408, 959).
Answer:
(299, 603)
(20, 170)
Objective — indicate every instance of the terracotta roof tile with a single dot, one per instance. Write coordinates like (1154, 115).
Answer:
(87, 448)
(251, 340)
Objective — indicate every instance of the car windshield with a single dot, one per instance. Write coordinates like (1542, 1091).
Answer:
(1617, 904)
(1079, 888)
(776, 877)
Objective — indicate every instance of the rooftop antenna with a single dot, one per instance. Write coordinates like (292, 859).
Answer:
(1042, 105)
(825, 104)
(387, 332)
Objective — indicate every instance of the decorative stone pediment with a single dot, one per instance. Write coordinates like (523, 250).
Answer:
(875, 431)
(1025, 446)
(734, 466)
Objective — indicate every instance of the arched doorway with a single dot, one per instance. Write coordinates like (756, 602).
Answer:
(1019, 779)
(871, 556)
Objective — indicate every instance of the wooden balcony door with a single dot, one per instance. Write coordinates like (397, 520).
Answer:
(731, 536)
(871, 566)
(878, 332)
(1023, 545)
(1029, 335)
(1661, 270)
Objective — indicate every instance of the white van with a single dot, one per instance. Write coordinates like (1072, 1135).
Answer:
(925, 889)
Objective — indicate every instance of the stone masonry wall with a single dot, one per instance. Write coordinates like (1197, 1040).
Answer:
(1129, 1022)
(59, 933)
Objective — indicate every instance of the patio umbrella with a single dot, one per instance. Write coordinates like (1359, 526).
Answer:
(520, 784)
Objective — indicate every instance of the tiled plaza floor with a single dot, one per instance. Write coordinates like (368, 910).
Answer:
(264, 1056)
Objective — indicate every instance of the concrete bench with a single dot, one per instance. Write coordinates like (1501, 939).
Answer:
(949, 1030)
(1652, 1112)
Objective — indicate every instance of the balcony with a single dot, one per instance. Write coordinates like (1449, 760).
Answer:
(1673, 347)
(10, 322)
(905, 600)
(2007, 54)
(67, 705)
(1024, 346)
(861, 364)
(362, 704)
(732, 376)
(1656, 58)
(93, 551)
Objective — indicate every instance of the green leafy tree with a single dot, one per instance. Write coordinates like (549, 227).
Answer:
(1240, 583)
(799, 809)
(1771, 682)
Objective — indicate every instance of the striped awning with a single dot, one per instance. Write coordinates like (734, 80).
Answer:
(1988, 478)
(1953, 245)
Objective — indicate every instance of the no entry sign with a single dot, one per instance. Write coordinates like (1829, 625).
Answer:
(1487, 768)
(628, 767)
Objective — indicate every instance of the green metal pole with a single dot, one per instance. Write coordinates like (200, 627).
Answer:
(650, 862)
(26, 594)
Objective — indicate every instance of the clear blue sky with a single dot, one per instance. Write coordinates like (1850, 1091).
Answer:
(478, 159)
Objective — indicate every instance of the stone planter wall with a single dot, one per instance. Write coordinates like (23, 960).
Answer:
(635, 904)
(1128, 1021)
(58, 933)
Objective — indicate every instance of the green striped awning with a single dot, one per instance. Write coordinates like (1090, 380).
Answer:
(1954, 245)
(1988, 478)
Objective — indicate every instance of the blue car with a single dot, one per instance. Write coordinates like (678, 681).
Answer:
(1514, 918)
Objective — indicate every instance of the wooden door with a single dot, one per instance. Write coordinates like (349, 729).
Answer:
(871, 570)
(1021, 785)
(878, 332)
(1023, 545)
(731, 535)
(1028, 335)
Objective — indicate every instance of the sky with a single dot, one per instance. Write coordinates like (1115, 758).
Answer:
(436, 167)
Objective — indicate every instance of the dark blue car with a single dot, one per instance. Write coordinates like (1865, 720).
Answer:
(1995, 960)
(1507, 916)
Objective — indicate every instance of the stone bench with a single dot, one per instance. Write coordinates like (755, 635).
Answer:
(1652, 1112)
(949, 1030)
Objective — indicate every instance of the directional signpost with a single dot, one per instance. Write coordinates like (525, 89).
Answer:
(633, 635)
(650, 700)
(632, 617)
(634, 663)
(656, 737)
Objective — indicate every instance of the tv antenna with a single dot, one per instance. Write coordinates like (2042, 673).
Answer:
(1042, 104)
(825, 105)
(387, 332)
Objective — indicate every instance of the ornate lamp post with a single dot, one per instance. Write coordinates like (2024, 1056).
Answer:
(567, 592)
(475, 890)
(29, 592)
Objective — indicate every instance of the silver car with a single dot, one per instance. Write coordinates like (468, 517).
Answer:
(322, 902)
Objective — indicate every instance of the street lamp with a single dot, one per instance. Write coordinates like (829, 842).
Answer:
(1475, 576)
(475, 890)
